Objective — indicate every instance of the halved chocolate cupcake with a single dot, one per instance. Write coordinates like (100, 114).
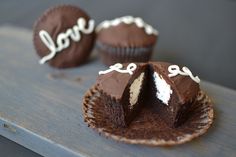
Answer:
(122, 92)
(125, 39)
(155, 104)
(164, 86)
(171, 96)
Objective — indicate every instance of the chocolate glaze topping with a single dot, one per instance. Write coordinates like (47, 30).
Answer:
(125, 35)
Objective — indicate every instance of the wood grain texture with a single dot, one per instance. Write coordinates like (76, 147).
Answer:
(40, 108)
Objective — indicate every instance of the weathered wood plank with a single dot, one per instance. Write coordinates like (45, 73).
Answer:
(40, 108)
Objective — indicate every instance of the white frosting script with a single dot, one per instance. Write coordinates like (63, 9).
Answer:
(128, 20)
(63, 39)
(117, 67)
(174, 70)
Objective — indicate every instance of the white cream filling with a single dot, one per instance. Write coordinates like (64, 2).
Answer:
(134, 90)
(163, 88)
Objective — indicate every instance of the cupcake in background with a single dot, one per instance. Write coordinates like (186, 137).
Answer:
(125, 39)
(64, 36)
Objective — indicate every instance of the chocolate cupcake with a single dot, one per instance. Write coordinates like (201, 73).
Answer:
(125, 39)
(172, 92)
(64, 36)
(155, 103)
(164, 86)
(122, 90)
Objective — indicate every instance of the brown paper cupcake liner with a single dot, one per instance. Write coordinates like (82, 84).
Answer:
(111, 55)
(148, 128)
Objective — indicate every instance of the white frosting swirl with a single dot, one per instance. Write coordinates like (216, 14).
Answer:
(174, 71)
(117, 67)
(128, 20)
(63, 39)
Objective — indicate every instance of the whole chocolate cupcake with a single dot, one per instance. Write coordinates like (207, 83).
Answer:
(125, 39)
(64, 36)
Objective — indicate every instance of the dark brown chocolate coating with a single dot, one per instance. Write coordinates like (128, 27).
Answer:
(57, 20)
(114, 83)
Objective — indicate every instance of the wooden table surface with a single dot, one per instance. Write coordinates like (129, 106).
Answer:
(40, 108)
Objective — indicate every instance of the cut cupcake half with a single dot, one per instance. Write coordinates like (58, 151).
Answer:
(123, 94)
(171, 97)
